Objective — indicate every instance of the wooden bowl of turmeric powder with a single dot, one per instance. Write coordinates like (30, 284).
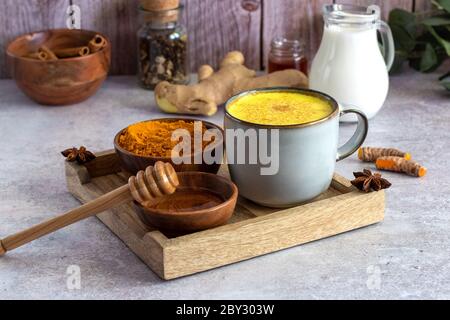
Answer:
(188, 144)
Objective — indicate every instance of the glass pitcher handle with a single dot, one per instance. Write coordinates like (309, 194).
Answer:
(388, 43)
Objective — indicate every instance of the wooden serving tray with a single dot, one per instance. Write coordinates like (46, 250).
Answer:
(252, 231)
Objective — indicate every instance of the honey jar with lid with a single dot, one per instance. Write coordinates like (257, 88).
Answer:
(287, 54)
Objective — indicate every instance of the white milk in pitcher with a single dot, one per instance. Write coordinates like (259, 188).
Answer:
(350, 67)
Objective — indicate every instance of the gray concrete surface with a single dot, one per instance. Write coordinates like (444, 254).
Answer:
(406, 256)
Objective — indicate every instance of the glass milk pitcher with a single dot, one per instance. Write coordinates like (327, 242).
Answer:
(350, 66)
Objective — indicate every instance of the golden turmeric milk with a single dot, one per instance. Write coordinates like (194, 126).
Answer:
(279, 108)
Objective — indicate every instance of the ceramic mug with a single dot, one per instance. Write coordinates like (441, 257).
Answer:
(307, 154)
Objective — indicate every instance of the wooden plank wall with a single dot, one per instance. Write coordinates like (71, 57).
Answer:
(293, 19)
(215, 26)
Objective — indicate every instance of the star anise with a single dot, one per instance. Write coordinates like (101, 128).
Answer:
(366, 181)
(81, 155)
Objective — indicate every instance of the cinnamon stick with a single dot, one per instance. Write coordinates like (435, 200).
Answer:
(36, 55)
(72, 52)
(46, 53)
(97, 43)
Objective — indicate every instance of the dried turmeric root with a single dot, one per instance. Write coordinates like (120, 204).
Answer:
(217, 87)
(399, 164)
(370, 154)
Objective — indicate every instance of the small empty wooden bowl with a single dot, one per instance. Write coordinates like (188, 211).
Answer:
(63, 81)
(175, 221)
(133, 163)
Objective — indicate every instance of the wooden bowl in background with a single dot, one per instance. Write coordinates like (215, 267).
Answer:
(175, 223)
(133, 163)
(62, 81)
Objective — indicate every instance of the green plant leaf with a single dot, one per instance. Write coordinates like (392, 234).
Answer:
(428, 60)
(424, 42)
(405, 20)
(400, 58)
(445, 81)
(402, 39)
(437, 21)
(444, 43)
(445, 4)
(404, 28)
(446, 84)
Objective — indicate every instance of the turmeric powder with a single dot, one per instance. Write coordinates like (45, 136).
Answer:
(399, 164)
(153, 138)
(370, 154)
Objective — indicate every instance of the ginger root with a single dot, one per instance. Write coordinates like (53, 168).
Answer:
(370, 154)
(399, 164)
(214, 88)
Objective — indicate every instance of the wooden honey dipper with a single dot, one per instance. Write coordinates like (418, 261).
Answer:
(156, 181)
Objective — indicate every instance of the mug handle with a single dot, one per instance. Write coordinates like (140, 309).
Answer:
(358, 137)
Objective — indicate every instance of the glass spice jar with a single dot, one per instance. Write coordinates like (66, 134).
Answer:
(162, 51)
(287, 54)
